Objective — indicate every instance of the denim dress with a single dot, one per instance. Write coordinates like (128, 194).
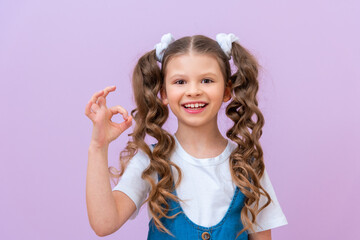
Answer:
(183, 228)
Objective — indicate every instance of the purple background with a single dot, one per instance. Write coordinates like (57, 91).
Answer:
(55, 54)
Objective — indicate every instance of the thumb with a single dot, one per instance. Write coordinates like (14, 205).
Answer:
(125, 124)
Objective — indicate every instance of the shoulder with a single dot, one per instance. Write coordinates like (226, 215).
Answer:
(232, 144)
(140, 159)
(272, 216)
(131, 182)
(266, 183)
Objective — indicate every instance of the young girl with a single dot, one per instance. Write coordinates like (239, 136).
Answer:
(198, 184)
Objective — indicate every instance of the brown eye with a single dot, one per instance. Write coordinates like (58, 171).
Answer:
(179, 81)
(208, 80)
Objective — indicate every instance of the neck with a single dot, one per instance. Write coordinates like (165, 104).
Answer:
(201, 140)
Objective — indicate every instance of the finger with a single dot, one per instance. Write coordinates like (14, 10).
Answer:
(96, 95)
(102, 101)
(119, 109)
(95, 107)
(106, 92)
(124, 125)
(88, 112)
(109, 89)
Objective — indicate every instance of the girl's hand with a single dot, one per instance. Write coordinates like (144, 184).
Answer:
(104, 130)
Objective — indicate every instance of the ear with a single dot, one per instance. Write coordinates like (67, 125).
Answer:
(164, 97)
(227, 93)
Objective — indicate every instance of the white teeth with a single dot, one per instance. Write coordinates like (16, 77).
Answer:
(196, 105)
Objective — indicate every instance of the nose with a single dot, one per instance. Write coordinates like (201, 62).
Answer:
(193, 90)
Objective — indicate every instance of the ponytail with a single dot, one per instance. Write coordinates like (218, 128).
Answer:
(246, 162)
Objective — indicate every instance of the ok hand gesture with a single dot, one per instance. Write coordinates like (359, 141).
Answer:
(104, 130)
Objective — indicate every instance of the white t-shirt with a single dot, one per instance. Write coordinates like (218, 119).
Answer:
(206, 187)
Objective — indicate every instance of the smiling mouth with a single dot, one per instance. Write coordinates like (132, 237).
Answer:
(195, 108)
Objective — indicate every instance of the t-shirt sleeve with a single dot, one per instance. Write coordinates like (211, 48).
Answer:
(272, 216)
(131, 182)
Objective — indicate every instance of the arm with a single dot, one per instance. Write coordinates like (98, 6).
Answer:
(264, 235)
(107, 210)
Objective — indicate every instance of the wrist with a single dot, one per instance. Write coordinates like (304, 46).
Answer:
(98, 147)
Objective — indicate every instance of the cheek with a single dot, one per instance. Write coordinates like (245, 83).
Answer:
(173, 96)
(216, 92)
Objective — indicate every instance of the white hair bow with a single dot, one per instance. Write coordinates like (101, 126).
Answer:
(166, 39)
(225, 41)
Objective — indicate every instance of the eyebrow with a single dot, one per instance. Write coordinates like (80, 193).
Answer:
(184, 75)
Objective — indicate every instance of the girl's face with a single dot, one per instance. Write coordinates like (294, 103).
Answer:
(194, 78)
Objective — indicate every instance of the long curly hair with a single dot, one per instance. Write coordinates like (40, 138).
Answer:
(246, 161)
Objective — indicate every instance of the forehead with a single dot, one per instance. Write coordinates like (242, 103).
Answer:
(192, 64)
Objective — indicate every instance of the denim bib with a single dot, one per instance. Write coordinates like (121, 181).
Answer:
(183, 228)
